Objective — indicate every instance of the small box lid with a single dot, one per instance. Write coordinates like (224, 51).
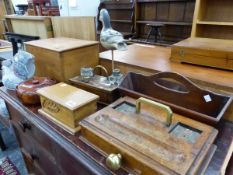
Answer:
(61, 44)
(67, 96)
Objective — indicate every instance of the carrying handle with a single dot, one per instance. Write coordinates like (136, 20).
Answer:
(189, 85)
(167, 109)
(102, 68)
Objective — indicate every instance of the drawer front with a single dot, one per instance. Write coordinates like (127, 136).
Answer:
(31, 130)
(200, 57)
(39, 159)
(69, 165)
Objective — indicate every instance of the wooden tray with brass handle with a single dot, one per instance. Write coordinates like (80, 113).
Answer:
(148, 137)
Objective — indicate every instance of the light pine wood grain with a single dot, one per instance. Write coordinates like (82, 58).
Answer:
(62, 58)
(30, 25)
(74, 27)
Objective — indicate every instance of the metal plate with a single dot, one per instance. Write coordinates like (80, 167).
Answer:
(186, 132)
(125, 107)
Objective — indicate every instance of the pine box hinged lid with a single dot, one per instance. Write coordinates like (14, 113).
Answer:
(66, 105)
(68, 96)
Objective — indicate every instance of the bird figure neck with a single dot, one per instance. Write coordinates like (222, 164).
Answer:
(106, 21)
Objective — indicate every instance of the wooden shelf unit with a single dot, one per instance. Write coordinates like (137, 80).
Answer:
(177, 15)
(213, 19)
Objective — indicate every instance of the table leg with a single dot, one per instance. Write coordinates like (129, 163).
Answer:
(148, 36)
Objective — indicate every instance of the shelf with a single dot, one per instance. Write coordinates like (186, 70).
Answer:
(121, 21)
(215, 23)
(166, 22)
(120, 8)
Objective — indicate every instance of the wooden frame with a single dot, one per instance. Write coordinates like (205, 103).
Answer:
(213, 19)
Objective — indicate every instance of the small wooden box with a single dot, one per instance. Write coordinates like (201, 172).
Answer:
(204, 51)
(67, 104)
(62, 58)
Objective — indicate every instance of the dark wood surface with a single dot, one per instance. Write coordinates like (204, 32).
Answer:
(63, 147)
(176, 15)
(192, 101)
(72, 155)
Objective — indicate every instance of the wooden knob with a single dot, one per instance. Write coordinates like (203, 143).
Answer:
(113, 161)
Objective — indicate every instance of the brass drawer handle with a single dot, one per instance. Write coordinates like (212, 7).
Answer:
(25, 125)
(155, 104)
(113, 161)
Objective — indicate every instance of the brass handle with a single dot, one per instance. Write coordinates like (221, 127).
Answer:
(155, 104)
(113, 161)
(103, 68)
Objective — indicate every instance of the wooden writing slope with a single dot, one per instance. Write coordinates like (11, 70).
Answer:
(204, 51)
(145, 143)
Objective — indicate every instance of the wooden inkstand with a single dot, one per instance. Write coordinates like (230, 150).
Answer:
(99, 85)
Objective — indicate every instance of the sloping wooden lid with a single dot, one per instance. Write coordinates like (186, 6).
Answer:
(144, 138)
(61, 44)
(208, 44)
(67, 96)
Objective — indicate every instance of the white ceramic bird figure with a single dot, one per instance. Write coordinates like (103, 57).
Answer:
(109, 38)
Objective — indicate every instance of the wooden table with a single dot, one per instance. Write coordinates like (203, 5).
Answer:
(51, 150)
(151, 59)
(148, 59)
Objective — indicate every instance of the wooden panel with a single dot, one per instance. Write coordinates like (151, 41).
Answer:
(213, 19)
(74, 27)
(189, 9)
(47, 62)
(40, 152)
(162, 11)
(28, 25)
(147, 11)
(70, 164)
(76, 59)
(214, 31)
(218, 10)
(176, 11)
(122, 15)
(123, 27)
